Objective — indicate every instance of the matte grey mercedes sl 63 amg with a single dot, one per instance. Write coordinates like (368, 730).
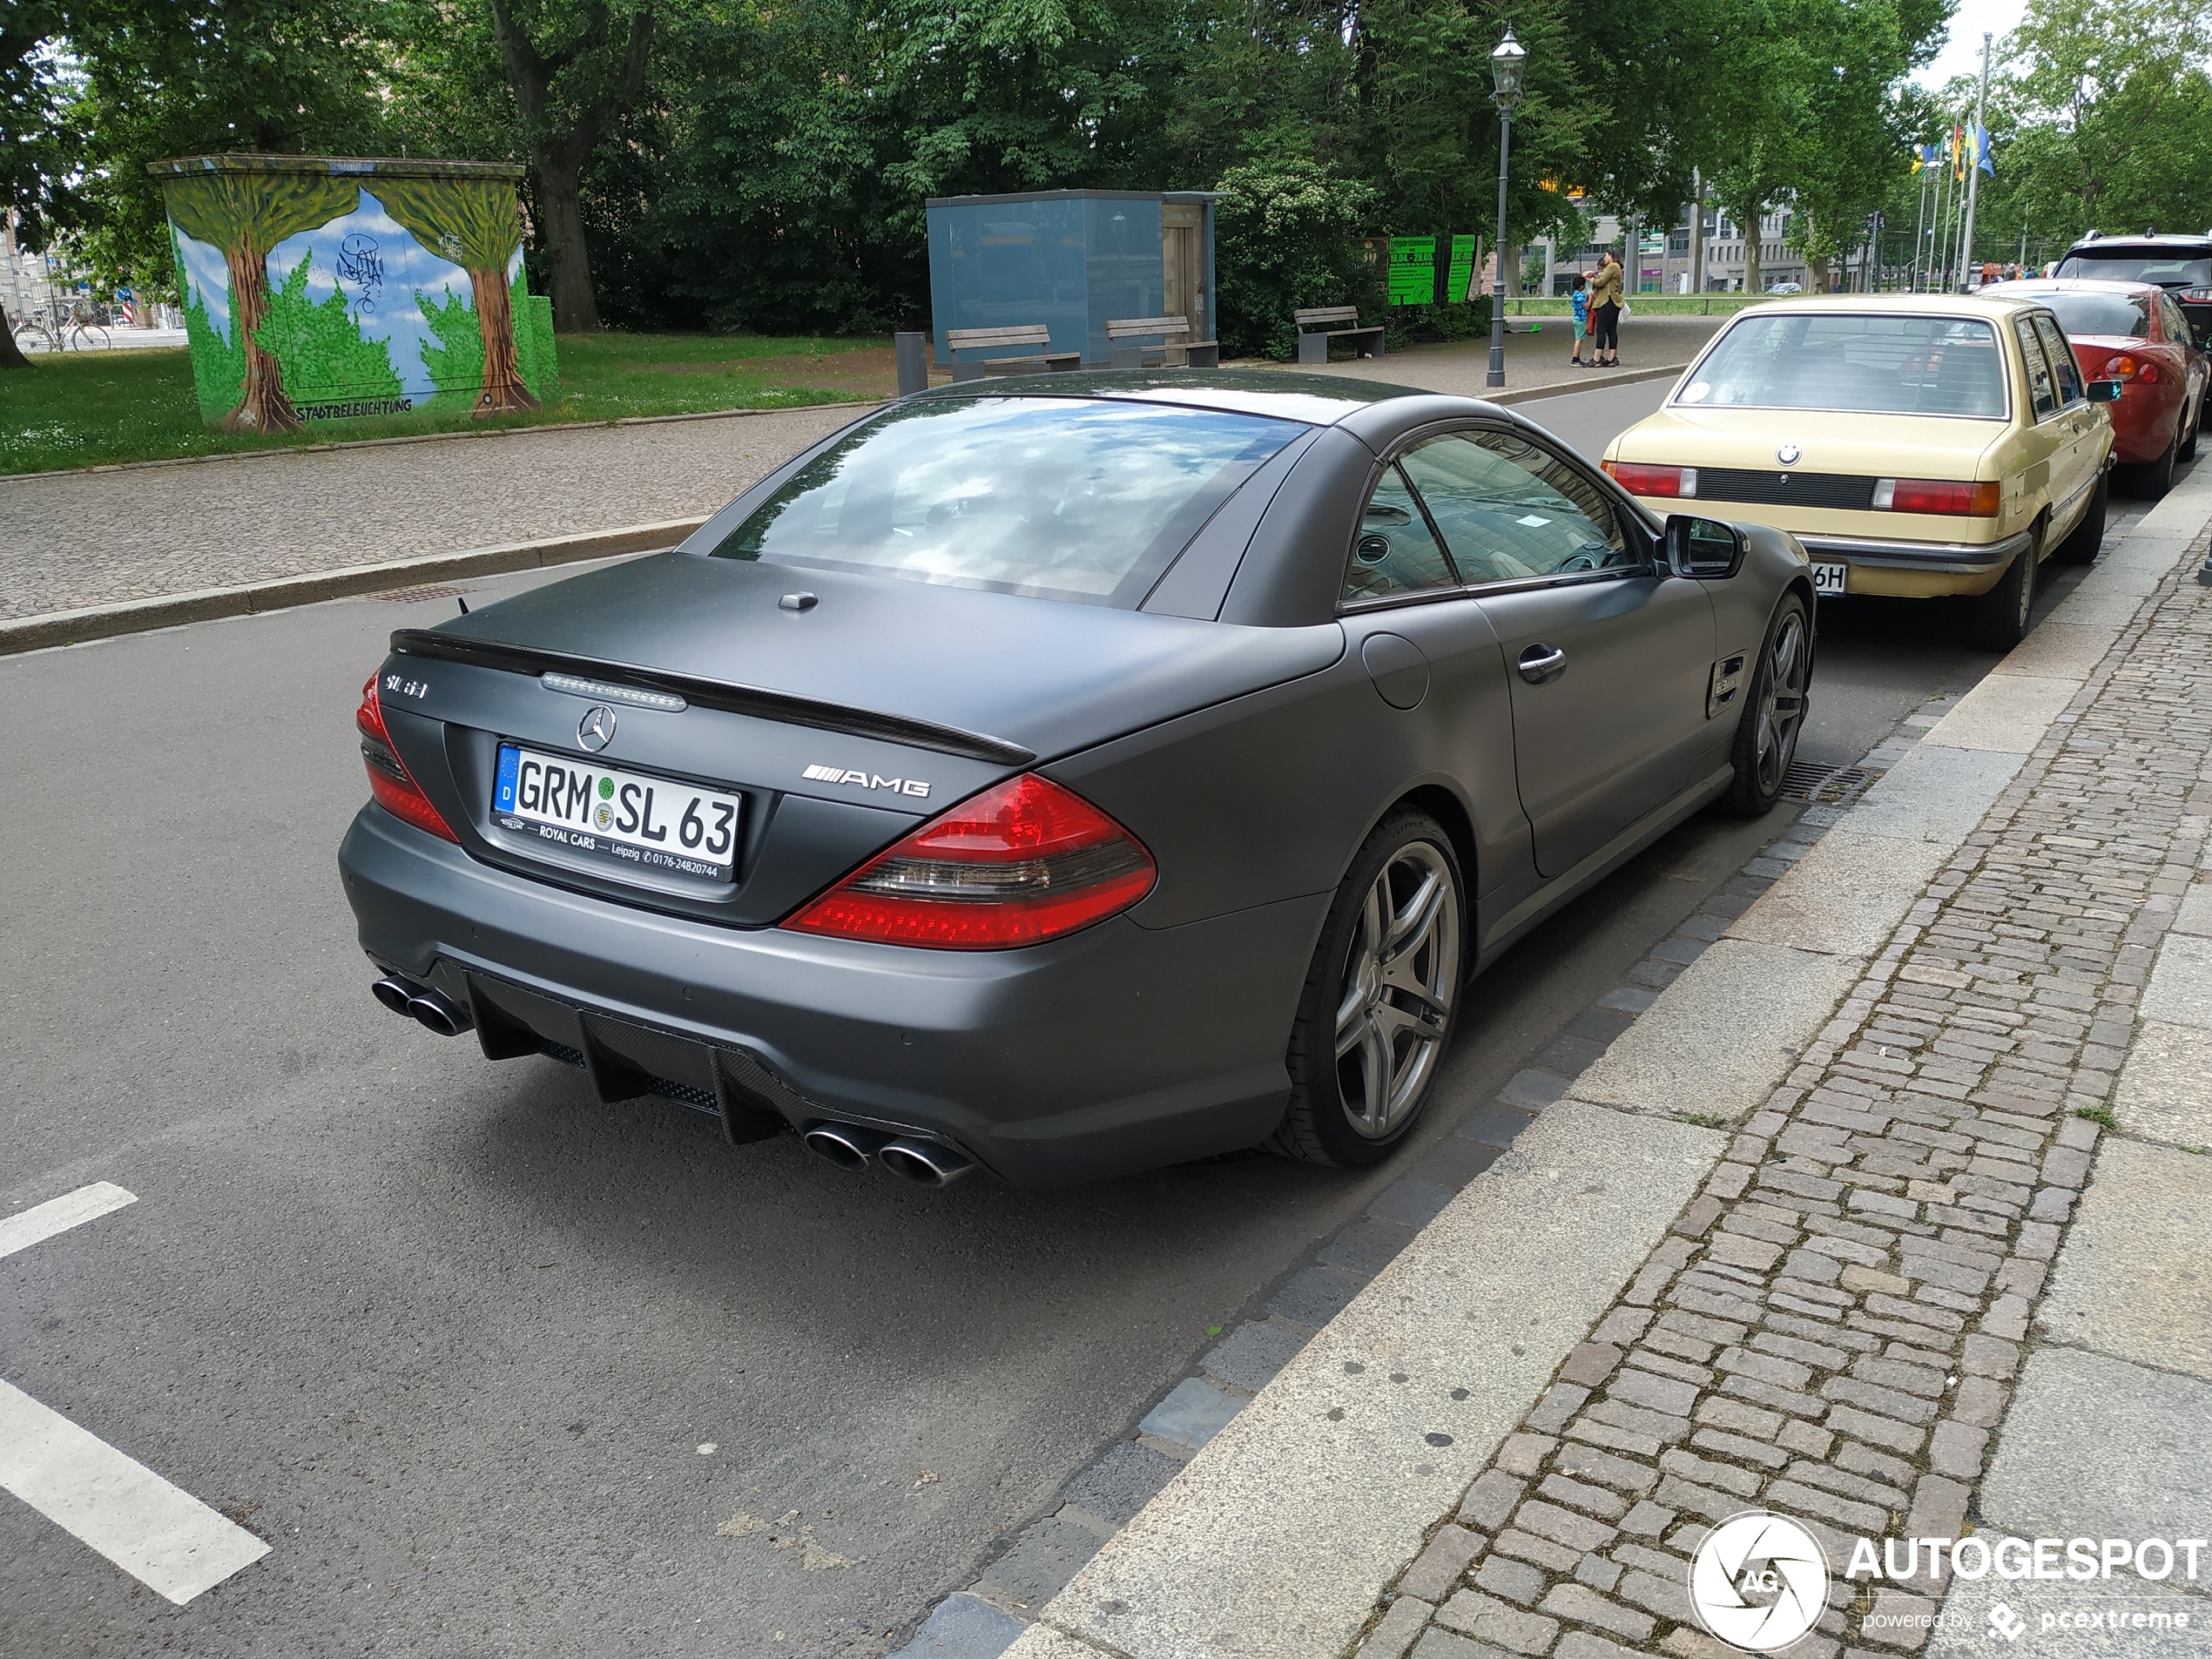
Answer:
(1067, 775)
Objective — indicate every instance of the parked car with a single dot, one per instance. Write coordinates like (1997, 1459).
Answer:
(1067, 782)
(2134, 332)
(1917, 445)
(2180, 264)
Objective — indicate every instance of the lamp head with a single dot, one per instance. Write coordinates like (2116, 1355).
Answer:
(1508, 59)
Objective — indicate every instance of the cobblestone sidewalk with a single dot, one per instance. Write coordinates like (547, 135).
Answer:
(1833, 1327)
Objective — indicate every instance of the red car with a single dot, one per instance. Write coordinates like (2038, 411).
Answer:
(2134, 332)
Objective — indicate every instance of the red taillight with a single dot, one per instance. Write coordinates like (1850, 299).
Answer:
(1639, 478)
(1023, 862)
(389, 781)
(1956, 498)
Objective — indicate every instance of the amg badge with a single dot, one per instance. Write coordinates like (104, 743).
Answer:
(867, 781)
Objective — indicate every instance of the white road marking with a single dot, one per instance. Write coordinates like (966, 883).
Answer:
(59, 1215)
(161, 1537)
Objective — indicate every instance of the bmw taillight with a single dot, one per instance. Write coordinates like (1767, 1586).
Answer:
(390, 782)
(1641, 479)
(1956, 498)
(1024, 861)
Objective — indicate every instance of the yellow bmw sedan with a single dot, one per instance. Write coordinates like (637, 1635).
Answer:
(1916, 445)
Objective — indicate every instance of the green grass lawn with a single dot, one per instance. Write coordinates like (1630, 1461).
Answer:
(82, 409)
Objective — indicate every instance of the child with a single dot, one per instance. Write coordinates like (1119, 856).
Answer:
(1580, 294)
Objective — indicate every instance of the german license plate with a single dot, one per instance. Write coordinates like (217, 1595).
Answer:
(1830, 580)
(625, 818)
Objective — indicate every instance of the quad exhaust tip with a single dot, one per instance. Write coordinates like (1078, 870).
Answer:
(432, 1009)
(911, 1157)
(925, 1162)
(845, 1144)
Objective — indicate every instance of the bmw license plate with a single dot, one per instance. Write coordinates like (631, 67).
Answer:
(1829, 580)
(623, 817)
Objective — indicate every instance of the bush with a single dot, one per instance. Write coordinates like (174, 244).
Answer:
(1286, 236)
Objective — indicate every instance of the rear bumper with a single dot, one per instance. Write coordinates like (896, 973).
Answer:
(1120, 1048)
(1916, 570)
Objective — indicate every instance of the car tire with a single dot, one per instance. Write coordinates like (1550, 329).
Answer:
(1998, 620)
(2086, 539)
(1774, 716)
(2155, 478)
(2188, 449)
(1375, 1017)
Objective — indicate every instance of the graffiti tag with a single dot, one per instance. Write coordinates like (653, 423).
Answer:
(361, 267)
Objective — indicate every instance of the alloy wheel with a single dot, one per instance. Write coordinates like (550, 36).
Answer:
(1401, 976)
(1782, 708)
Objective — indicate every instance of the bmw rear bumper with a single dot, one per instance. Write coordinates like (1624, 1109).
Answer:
(1119, 1047)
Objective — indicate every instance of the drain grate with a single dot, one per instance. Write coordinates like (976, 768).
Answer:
(415, 596)
(1827, 785)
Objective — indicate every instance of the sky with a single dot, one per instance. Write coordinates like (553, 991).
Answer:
(1961, 54)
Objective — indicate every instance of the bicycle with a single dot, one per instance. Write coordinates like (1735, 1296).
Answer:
(87, 329)
(32, 335)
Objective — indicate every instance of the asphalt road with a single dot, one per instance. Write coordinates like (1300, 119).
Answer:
(487, 1363)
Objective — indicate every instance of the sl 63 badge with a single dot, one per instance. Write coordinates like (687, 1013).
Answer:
(867, 781)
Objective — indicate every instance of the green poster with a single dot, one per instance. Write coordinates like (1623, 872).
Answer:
(1412, 270)
(1462, 272)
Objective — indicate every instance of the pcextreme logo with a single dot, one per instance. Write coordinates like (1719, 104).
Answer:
(1758, 1581)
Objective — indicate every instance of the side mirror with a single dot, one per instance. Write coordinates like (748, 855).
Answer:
(2104, 391)
(1704, 548)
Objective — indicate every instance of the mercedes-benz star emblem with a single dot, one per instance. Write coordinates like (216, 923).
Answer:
(596, 730)
(1787, 454)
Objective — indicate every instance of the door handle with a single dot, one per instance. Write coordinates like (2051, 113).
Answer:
(1543, 663)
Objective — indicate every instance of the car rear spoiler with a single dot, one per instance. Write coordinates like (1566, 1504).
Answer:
(754, 701)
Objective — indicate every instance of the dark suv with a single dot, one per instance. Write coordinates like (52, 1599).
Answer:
(2181, 264)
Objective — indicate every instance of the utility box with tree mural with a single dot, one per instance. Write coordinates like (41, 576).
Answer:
(325, 287)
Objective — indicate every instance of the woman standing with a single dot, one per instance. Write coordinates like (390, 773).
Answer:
(1605, 310)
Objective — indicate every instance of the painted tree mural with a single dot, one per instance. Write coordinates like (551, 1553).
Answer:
(247, 212)
(473, 222)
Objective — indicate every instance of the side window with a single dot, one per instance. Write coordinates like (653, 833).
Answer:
(1510, 509)
(2061, 356)
(1394, 552)
(2042, 389)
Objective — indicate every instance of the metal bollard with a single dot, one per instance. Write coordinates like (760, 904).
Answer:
(913, 362)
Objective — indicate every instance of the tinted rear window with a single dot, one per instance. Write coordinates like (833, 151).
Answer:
(2177, 267)
(1875, 364)
(2102, 314)
(1065, 498)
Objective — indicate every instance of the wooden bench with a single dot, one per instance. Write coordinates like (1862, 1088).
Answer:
(1035, 335)
(1314, 333)
(1176, 349)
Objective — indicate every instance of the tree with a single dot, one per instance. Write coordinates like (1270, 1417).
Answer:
(158, 79)
(2115, 114)
(246, 211)
(569, 96)
(472, 220)
(31, 166)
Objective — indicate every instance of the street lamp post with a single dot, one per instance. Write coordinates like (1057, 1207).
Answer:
(1506, 61)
